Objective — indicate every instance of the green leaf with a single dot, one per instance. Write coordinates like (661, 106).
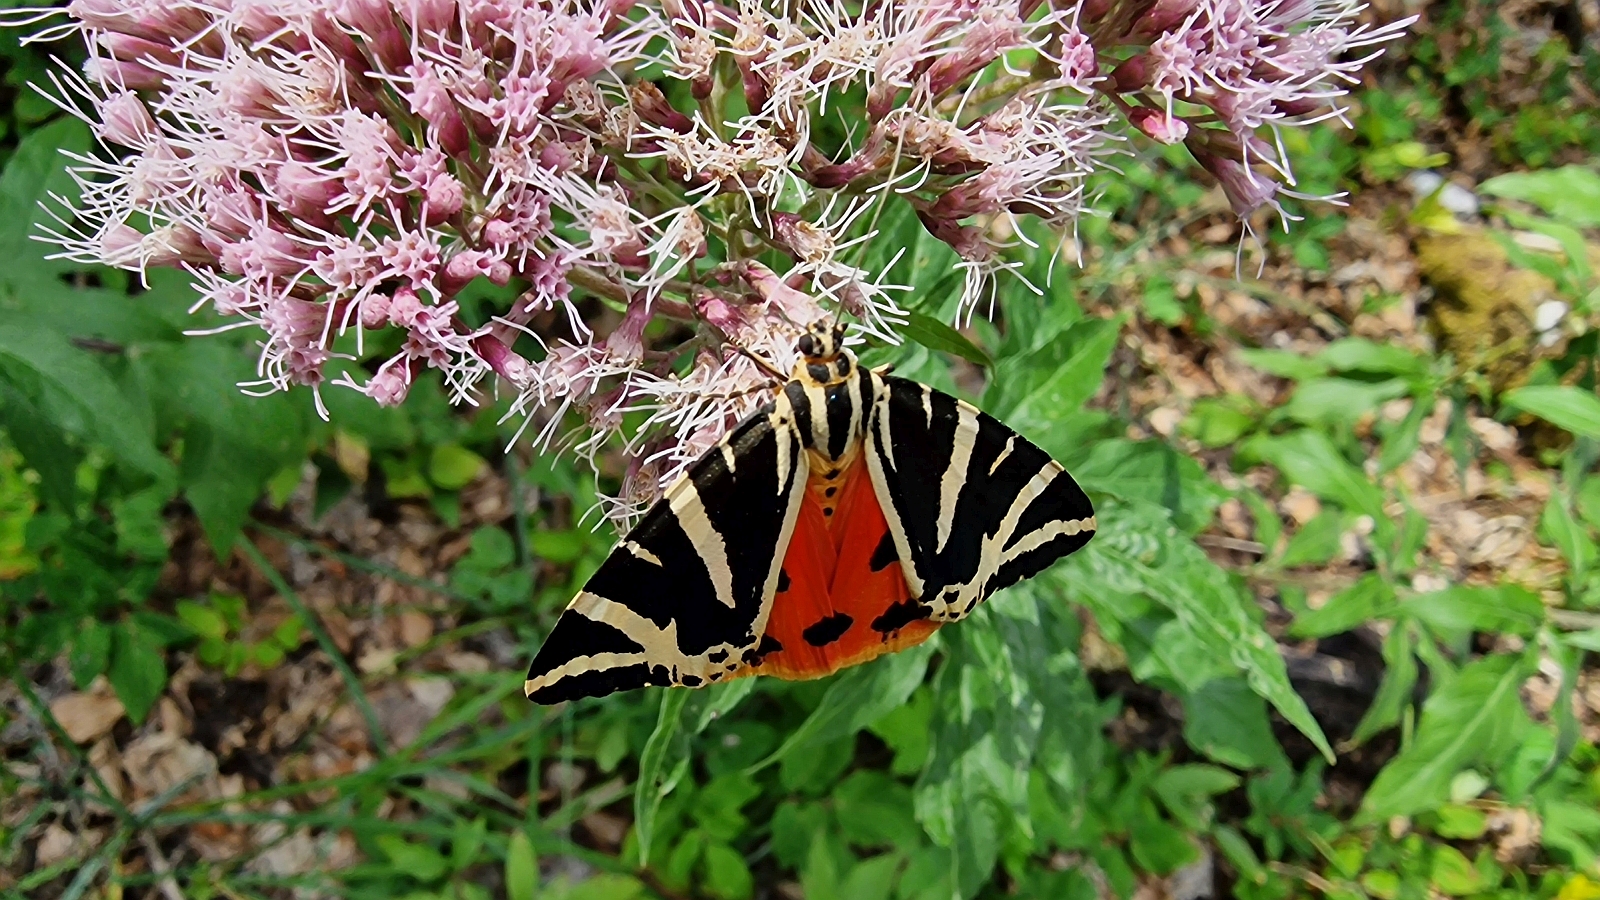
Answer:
(1317, 541)
(856, 698)
(1308, 458)
(906, 730)
(1460, 822)
(941, 338)
(1361, 355)
(1395, 690)
(1477, 716)
(727, 877)
(655, 780)
(723, 698)
(1284, 364)
(1152, 471)
(1568, 536)
(1457, 610)
(36, 170)
(522, 868)
(1452, 873)
(1220, 421)
(875, 810)
(1339, 402)
(1368, 598)
(795, 827)
(420, 861)
(452, 466)
(91, 653)
(1569, 408)
(1227, 721)
(1570, 193)
(138, 669)
(1053, 381)
(871, 879)
(82, 397)
(1139, 552)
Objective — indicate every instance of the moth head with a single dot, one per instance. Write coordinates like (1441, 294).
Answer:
(821, 342)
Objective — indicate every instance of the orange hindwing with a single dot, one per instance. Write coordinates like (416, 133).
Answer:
(842, 598)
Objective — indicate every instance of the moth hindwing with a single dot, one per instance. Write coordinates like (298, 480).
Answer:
(849, 518)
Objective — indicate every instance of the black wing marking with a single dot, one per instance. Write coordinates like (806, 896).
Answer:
(972, 505)
(686, 595)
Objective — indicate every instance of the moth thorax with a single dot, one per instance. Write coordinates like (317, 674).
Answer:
(826, 371)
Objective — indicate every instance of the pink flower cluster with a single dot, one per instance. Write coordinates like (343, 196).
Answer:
(331, 169)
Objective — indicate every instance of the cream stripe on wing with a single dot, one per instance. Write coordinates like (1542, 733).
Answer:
(791, 515)
(580, 665)
(880, 449)
(708, 544)
(1041, 536)
(995, 466)
(1025, 497)
(782, 422)
(955, 472)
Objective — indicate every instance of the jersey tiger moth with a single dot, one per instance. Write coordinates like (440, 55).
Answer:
(849, 518)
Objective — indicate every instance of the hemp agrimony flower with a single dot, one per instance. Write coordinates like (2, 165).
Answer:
(329, 168)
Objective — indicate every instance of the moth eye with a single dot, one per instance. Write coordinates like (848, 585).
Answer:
(807, 345)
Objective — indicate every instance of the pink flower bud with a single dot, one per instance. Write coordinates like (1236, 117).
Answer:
(392, 383)
(445, 197)
(116, 73)
(374, 311)
(405, 307)
(627, 341)
(125, 120)
(1158, 125)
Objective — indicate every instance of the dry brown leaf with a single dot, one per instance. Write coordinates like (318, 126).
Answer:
(87, 716)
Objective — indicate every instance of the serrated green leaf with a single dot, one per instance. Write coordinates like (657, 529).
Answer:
(1138, 551)
(1570, 408)
(1477, 716)
(941, 338)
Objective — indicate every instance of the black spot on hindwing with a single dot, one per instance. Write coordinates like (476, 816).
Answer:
(783, 580)
(828, 630)
(885, 555)
(899, 616)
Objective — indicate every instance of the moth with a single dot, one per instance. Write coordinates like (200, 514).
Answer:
(850, 517)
